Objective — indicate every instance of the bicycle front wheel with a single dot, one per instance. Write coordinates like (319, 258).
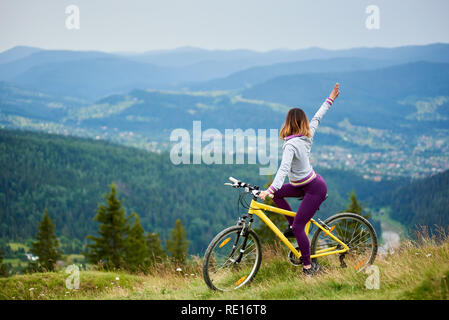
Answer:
(232, 260)
(353, 230)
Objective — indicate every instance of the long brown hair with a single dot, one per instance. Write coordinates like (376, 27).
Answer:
(296, 122)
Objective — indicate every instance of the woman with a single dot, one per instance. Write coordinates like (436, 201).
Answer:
(298, 135)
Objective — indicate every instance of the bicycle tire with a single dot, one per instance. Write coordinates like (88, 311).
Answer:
(363, 221)
(217, 239)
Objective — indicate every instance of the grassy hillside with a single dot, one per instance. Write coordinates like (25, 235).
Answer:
(415, 271)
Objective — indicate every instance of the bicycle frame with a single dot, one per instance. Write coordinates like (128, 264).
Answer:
(258, 208)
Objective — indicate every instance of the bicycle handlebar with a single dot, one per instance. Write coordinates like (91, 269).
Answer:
(233, 180)
(254, 190)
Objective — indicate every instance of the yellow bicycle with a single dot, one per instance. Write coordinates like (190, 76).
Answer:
(233, 257)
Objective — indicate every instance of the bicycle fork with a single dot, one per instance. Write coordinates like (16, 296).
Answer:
(244, 233)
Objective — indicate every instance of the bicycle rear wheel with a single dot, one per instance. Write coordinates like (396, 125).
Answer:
(356, 232)
(226, 265)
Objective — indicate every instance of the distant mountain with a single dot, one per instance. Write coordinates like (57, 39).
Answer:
(19, 101)
(400, 112)
(93, 78)
(37, 67)
(438, 52)
(424, 202)
(224, 63)
(146, 111)
(148, 114)
(93, 75)
(17, 53)
(398, 98)
(255, 75)
(156, 113)
(14, 68)
(185, 56)
(380, 98)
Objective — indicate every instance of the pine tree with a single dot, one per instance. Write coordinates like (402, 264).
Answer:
(110, 246)
(136, 255)
(352, 228)
(155, 251)
(355, 207)
(3, 267)
(177, 245)
(46, 246)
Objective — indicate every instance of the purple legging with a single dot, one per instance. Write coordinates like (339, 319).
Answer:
(314, 194)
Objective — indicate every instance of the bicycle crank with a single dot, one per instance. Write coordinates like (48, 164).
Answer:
(293, 259)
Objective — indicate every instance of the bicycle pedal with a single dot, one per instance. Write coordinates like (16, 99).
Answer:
(293, 259)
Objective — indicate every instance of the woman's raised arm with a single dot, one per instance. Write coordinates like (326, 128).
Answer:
(323, 109)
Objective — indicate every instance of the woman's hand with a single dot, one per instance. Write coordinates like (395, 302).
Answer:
(264, 194)
(335, 92)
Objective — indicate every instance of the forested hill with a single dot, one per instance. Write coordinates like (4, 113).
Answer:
(423, 202)
(69, 175)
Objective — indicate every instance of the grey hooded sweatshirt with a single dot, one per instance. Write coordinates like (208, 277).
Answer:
(295, 155)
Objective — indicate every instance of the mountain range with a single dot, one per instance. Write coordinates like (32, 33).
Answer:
(381, 98)
(394, 97)
(390, 123)
(138, 99)
(92, 75)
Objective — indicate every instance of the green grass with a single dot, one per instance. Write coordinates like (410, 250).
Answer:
(431, 288)
(74, 258)
(51, 285)
(15, 262)
(16, 246)
(415, 271)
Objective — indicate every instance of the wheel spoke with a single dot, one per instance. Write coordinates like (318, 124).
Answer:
(222, 270)
(356, 233)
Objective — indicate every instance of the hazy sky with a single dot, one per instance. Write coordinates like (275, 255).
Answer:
(141, 25)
